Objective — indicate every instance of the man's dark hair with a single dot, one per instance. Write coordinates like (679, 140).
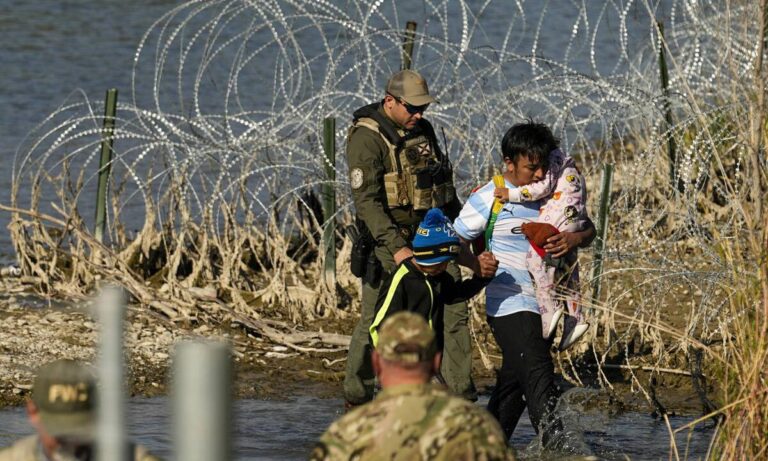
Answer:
(530, 138)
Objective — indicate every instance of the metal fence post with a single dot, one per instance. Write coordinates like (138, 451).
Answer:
(602, 231)
(202, 401)
(408, 40)
(111, 444)
(329, 200)
(671, 143)
(105, 162)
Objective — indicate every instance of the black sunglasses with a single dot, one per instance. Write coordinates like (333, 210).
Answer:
(413, 110)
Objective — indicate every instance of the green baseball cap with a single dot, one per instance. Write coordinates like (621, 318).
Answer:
(406, 338)
(64, 392)
(411, 87)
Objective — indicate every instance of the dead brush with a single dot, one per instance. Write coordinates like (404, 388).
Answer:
(196, 258)
(701, 238)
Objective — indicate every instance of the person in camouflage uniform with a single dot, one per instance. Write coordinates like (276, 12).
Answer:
(412, 419)
(62, 410)
(397, 172)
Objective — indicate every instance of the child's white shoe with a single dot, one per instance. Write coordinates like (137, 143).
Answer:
(572, 331)
(549, 324)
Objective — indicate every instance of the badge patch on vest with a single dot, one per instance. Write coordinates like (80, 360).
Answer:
(356, 178)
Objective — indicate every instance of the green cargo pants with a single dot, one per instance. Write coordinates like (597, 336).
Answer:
(457, 354)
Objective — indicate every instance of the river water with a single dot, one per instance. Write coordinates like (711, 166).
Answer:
(286, 430)
(55, 48)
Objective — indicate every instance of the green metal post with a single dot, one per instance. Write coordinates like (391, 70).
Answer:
(671, 143)
(329, 199)
(105, 163)
(408, 40)
(602, 230)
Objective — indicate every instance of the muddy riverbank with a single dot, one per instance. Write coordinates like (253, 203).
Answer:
(34, 330)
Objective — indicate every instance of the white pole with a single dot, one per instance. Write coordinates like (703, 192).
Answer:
(202, 401)
(111, 443)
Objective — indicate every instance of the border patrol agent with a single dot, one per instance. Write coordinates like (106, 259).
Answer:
(397, 173)
(411, 419)
(62, 410)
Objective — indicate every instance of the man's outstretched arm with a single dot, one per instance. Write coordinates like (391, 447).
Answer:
(484, 265)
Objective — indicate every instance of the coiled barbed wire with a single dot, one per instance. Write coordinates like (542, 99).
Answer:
(213, 162)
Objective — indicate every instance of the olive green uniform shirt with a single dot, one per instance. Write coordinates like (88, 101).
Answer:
(414, 422)
(367, 151)
(29, 449)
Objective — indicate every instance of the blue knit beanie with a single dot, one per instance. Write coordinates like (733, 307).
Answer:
(435, 240)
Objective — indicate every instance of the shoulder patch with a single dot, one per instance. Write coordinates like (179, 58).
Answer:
(356, 178)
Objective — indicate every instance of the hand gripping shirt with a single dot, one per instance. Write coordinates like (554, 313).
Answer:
(511, 290)
(558, 162)
(563, 192)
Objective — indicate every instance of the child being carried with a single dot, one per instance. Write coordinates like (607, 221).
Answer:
(564, 209)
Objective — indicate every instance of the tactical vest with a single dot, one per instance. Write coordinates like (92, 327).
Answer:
(420, 175)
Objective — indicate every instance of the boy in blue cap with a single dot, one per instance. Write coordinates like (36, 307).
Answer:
(420, 284)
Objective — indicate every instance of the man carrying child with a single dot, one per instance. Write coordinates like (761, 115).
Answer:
(526, 377)
(563, 192)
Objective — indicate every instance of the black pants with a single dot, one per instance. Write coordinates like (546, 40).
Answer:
(526, 376)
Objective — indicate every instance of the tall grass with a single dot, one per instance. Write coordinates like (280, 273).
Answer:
(742, 357)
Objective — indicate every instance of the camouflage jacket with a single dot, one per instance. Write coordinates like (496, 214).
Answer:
(414, 422)
(29, 449)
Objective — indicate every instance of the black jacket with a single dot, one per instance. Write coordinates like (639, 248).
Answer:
(409, 289)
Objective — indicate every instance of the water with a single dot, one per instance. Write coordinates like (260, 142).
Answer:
(287, 429)
(52, 48)
(263, 429)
